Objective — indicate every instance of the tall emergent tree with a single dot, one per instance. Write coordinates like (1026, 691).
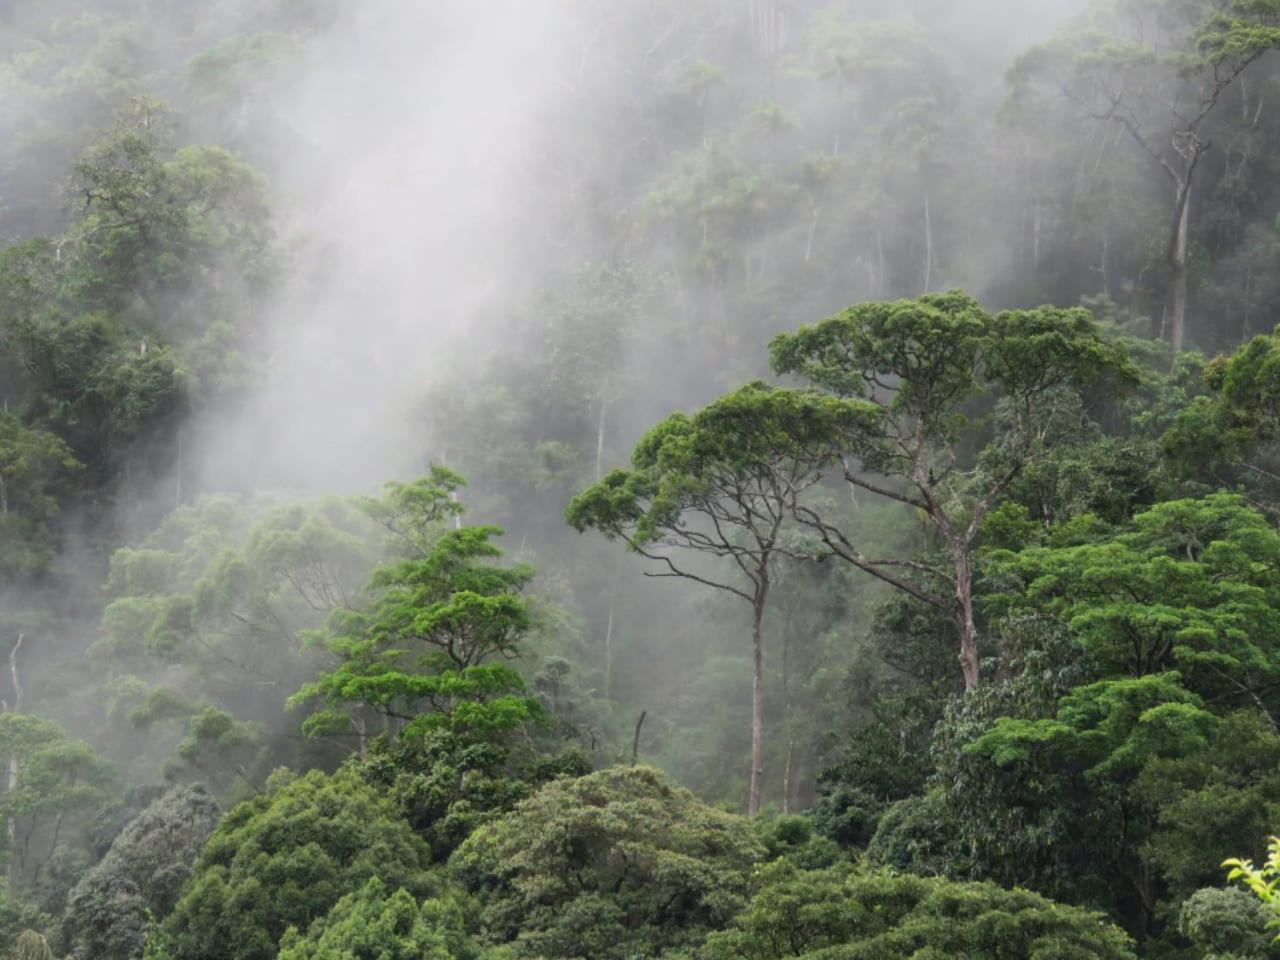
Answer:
(1159, 69)
(723, 483)
(963, 403)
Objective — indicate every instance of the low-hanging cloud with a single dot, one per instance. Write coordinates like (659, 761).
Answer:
(409, 133)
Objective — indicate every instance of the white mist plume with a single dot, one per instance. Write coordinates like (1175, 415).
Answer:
(406, 161)
(410, 137)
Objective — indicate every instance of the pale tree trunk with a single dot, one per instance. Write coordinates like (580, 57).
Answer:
(1035, 236)
(1190, 148)
(722, 311)
(11, 780)
(767, 24)
(1104, 264)
(362, 731)
(177, 476)
(813, 228)
(880, 274)
(928, 246)
(964, 616)
(786, 713)
(681, 297)
(1179, 319)
(13, 674)
(757, 707)
(600, 439)
(786, 774)
(1248, 287)
(608, 637)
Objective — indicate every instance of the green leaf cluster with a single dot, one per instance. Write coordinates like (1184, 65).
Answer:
(611, 865)
(851, 913)
(284, 859)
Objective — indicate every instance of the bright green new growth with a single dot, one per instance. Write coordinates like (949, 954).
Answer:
(1190, 585)
(1263, 881)
(284, 859)
(420, 652)
(374, 923)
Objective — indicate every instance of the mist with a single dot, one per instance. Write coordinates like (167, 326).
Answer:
(449, 190)
(413, 133)
(350, 355)
(418, 162)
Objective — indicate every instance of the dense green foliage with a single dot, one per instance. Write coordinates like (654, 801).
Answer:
(612, 865)
(937, 340)
(284, 859)
(845, 913)
(111, 910)
(373, 924)
(423, 650)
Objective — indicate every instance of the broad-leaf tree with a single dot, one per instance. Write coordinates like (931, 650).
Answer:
(284, 859)
(723, 483)
(857, 914)
(617, 864)
(428, 649)
(944, 378)
(1189, 585)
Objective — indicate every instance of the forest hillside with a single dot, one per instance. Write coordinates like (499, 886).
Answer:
(696, 480)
